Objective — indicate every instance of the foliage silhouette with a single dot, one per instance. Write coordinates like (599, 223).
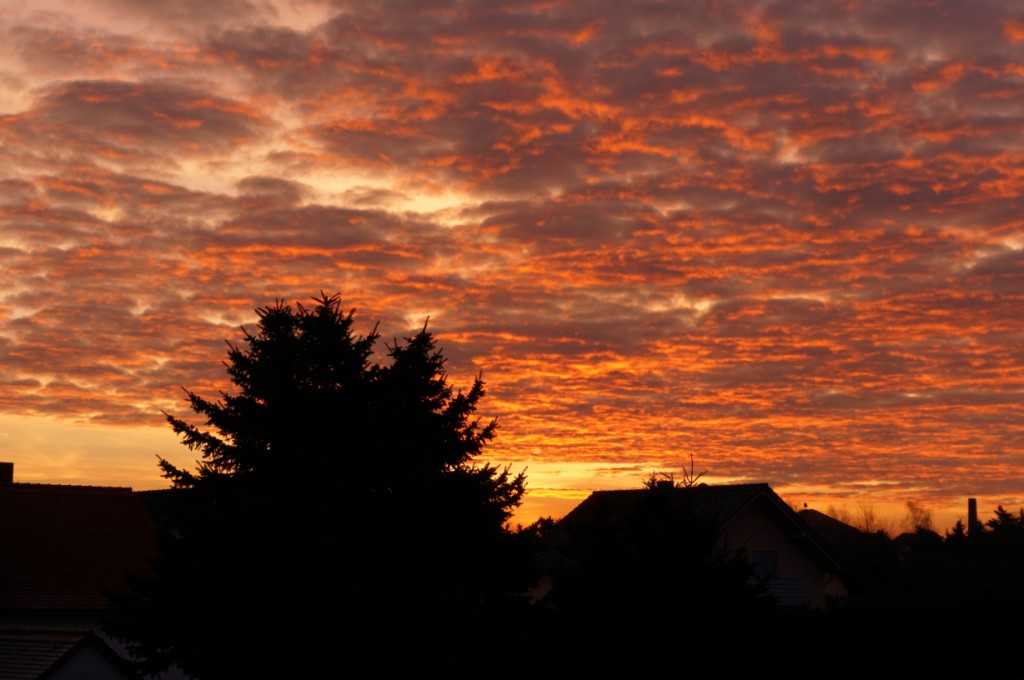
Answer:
(336, 513)
(648, 578)
(926, 595)
(690, 478)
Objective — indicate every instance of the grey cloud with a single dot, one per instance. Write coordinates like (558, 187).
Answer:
(56, 48)
(264, 193)
(186, 15)
(364, 197)
(311, 226)
(15, 192)
(940, 30)
(135, 120)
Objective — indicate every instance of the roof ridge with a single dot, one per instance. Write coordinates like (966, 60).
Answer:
(48, 485)
(696, 486)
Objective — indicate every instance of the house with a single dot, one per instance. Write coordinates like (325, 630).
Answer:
(797, 566)
(59, 655)
(63, 548)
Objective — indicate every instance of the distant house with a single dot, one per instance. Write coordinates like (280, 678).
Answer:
(798, 567)
(62, 549)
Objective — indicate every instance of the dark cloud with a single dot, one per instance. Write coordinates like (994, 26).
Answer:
(150, 124)
(360, 196)
(55, 48)
(163, 115)
(267, 193)
(187, 15)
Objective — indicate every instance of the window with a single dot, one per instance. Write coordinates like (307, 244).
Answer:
(766, 563)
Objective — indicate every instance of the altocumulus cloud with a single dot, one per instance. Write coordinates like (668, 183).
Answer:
(783, 236)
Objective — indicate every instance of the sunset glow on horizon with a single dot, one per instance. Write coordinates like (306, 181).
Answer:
(783, 238)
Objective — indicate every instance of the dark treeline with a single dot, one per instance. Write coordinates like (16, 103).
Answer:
(338, 525)
(920, 602)
(936, 601)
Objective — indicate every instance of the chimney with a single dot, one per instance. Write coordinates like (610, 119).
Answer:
(972, 516)
(6, 473)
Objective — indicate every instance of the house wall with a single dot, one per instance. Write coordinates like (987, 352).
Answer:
(87, 663)
(757, 528)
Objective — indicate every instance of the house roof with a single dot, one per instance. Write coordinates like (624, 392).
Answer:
(825, 524)
(36, 654)
(725, 500)
(720, 502)
(64, 546)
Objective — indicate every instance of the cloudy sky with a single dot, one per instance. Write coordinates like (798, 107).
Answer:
(784, 237)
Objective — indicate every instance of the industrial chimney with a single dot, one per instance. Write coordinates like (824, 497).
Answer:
(972, 517)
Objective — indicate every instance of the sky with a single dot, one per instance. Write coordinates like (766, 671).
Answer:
(781, 239)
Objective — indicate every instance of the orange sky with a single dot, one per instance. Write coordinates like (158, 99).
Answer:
(786, 238)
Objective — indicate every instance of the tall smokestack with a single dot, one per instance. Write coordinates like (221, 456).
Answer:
(972, 516)
(6, 473)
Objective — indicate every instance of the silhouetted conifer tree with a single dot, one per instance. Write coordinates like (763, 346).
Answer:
(337, 524)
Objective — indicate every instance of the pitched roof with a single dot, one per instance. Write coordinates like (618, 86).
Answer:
(64, 546)
(720, 502)
(35, 654)
(825, 524)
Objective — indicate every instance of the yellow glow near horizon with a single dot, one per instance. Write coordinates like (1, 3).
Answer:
(55, 451)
